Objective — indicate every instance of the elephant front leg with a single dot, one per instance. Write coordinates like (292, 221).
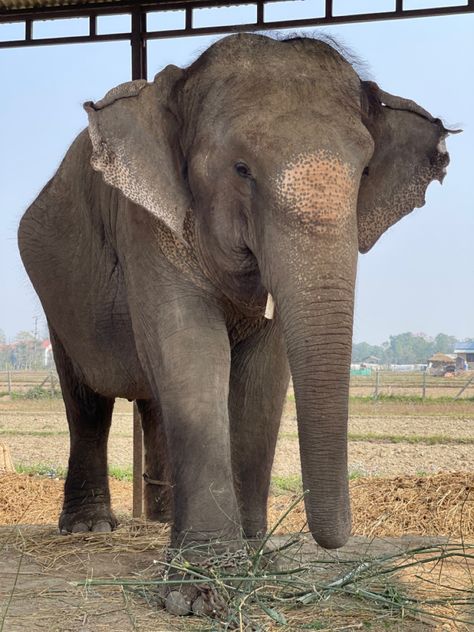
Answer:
(258, 385)
(187, 355)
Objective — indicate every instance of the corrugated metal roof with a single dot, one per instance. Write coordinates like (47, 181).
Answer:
(460, 347)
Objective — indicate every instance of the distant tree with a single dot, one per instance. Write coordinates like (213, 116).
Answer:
(363, 350)
(408, 348)
(24, 336)
(444, 343)
(3, 338)
(26, 352)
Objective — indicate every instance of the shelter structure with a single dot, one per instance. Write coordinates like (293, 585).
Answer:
(28, 12)
(441, 364)
(465, 350)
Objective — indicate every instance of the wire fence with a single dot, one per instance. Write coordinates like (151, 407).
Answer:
(415, 384)
(41, 383)
(377, 385)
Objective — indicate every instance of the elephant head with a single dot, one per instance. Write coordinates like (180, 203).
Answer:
(283, 164)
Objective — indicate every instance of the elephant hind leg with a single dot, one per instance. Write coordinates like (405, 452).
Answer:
(158, 487)
(258, 385)
(86, 505)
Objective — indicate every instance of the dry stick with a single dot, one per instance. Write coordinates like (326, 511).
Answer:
(464, 387)
(10, 597)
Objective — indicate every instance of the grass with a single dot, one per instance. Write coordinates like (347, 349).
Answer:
(42, 469)
(49, 433)
(37, 392)
(285, 484)
(121, 473)
(413, 439)
(294, 485)
(33, 433)
(389, 438)
(382, 397)
(57, 471)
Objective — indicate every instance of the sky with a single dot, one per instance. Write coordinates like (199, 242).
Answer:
(419, 277)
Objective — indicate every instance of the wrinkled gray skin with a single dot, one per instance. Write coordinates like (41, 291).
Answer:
(263, 167)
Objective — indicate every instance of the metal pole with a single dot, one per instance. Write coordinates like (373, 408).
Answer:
(139, 71)
(137, 510)
(138, 44)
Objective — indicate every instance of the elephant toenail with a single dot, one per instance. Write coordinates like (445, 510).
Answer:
(102, 527)
(200, 607)
(177, 604)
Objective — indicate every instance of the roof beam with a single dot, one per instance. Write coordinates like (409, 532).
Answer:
(93, 10)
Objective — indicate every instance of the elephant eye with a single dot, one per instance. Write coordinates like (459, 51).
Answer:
(243, 170)
(365, 172)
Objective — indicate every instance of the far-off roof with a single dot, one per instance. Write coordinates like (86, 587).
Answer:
(441, 357)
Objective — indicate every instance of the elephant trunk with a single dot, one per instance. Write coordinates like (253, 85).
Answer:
(311, 277)
(312, 219)
(317, 326)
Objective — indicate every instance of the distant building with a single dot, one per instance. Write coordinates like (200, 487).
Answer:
(47, 353)
(465, 350)
(441, 364)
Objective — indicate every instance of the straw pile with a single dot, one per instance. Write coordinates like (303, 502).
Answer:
(442, 504)
(26, 499)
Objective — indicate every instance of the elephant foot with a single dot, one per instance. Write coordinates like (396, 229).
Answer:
(211, 592)
(98, 518)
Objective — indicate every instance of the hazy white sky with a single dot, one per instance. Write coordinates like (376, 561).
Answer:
(419, 277)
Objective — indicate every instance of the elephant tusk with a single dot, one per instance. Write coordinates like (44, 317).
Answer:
(269, 307)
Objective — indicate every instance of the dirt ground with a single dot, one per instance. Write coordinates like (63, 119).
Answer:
(414, 474)
(36, 433)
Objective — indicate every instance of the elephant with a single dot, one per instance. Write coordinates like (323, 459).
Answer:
(196, 247)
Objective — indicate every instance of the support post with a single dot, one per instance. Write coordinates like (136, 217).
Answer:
(423, 388)
(138, 44)
(137, 510)
(376, 391)
(139, 71)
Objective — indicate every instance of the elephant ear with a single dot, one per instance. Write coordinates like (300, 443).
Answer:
(135, 143)
(409, 153)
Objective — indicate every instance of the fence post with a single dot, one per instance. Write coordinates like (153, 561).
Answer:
(376, 392)
(51, 380)
(423, 388)
(137, 510)
(9, 376)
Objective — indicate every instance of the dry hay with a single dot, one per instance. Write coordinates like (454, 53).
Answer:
(428, 587)
(442, 504)
(28, 499)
